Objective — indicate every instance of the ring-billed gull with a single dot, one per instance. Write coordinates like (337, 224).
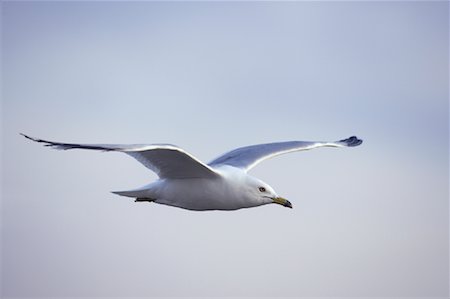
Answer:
(186, 182)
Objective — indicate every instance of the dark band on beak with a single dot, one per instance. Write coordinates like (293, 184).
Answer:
(288, 204)
(282, 201)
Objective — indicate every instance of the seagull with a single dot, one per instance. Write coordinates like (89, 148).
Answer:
(186, 182)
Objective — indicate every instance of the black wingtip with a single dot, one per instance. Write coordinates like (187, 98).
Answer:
(28, 137)
(351, 141)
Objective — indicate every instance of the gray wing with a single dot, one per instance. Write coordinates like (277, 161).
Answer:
(247, 157)
(167, 161)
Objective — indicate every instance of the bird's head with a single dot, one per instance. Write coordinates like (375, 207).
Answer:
(263, 193)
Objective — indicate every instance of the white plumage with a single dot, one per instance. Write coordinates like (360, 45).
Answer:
(186, 182)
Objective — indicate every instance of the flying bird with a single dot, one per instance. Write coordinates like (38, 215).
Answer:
(186, 182)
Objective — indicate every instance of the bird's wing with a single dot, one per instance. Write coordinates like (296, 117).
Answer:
(167, 161)
(247, 157)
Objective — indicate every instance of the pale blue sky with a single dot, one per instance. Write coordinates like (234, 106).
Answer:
(209, 77)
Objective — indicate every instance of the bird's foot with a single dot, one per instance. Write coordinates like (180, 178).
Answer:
(142, 199)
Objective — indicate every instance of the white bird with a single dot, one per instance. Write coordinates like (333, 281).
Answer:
(186, 182)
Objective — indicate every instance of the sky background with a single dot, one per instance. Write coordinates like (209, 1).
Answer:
(209, 77)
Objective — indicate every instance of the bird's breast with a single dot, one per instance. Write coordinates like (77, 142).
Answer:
(199, 194)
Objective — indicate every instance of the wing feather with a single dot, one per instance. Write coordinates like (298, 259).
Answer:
(166, 160)
(247, 157)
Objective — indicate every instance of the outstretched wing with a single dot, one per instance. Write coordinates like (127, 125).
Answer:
(167, 161)
(247, 157)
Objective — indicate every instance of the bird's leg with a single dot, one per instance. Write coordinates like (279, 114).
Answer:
(143, 199)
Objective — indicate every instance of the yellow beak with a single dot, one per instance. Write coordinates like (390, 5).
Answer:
(282, 201)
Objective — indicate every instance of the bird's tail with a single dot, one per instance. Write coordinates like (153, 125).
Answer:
(136, 193)
(145, 193)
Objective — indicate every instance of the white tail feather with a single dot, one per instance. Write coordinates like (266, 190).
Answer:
(132, 193)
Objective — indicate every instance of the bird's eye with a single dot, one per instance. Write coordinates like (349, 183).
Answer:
(262, 189)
